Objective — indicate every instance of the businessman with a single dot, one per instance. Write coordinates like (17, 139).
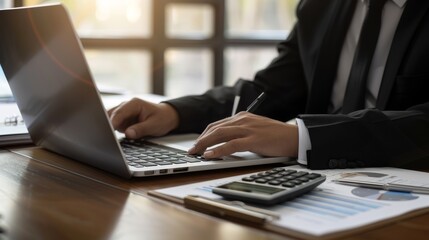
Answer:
(354, 74)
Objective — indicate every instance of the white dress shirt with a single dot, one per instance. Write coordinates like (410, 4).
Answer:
(391, 15)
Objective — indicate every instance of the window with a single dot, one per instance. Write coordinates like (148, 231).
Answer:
(175, 47)
(5, 3)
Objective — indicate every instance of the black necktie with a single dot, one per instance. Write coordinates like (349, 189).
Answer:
(354, 98)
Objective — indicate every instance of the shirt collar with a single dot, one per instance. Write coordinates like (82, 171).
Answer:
(400, 3)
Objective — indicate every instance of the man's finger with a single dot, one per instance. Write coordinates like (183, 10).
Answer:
(228, 148)
(217, 136)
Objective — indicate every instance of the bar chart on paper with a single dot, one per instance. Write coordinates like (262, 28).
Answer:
(334, 208)
(323, 207)
(329, 207)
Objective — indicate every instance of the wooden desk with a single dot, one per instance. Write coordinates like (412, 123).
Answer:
(46, 196)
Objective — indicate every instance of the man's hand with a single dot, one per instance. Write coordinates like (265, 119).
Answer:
(247, 132)
(138, 118)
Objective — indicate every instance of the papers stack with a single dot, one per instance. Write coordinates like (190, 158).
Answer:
(331, 210)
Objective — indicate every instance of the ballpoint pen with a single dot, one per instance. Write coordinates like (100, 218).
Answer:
(385, 186)
(252, 107)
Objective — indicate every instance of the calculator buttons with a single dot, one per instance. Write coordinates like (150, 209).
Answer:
(280, 176)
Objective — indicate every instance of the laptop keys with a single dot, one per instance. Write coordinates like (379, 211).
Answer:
(140, 155)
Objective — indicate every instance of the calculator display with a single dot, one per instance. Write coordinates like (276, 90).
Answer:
(251, 188)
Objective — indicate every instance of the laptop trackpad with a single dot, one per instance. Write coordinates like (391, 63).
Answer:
(180, 141)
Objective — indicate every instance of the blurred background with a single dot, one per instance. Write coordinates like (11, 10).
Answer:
(174, 47)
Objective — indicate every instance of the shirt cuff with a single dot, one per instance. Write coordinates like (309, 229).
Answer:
(304, 142)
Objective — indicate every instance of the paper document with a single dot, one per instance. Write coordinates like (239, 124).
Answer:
(331, 209)
(12, 127)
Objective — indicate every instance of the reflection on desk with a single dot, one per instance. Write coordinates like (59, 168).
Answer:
(42, 201)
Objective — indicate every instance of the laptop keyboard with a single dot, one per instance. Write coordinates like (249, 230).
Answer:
(141, 154)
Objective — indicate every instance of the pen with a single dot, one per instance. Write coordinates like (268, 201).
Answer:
(386, 186)
(256, 102)
(229, 209)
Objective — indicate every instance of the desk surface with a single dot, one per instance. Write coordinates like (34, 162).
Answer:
(46, 196)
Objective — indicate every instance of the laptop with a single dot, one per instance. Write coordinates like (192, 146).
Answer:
(43, 61)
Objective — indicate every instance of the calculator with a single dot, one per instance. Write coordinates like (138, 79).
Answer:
(271, 187)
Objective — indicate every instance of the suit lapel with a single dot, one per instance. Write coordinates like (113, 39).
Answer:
(327, 63)
(412, 15)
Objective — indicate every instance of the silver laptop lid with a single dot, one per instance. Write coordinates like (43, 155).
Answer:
(42, 59)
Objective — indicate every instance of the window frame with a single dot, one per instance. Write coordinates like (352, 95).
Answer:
(159, 42)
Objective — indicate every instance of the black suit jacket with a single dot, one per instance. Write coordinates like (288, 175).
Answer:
(299, 83)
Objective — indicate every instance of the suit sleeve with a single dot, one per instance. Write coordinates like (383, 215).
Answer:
(282, 80)
(369, 138)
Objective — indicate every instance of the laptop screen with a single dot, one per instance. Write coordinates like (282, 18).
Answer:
(43, 61)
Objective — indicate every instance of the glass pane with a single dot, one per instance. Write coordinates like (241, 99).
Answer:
(264, 19)
(108, 18)
(245, 62)
(188, 71)
(189, 21)
(121, 70)
(5, 3)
